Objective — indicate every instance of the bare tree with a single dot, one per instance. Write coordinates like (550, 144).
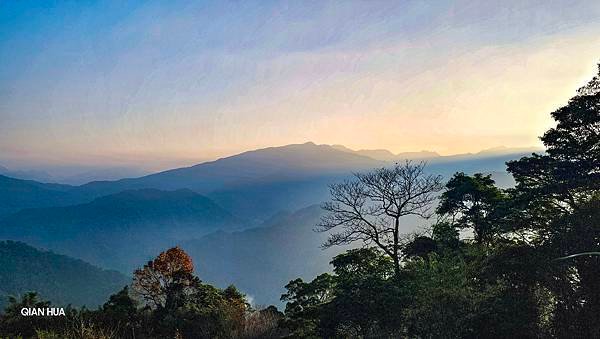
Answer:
(369, 207)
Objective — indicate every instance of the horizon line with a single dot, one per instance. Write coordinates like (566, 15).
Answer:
(176, 162)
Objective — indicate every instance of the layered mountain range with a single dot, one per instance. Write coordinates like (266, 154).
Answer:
(245, 219)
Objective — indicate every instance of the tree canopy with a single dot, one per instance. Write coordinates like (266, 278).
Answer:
(529, 269)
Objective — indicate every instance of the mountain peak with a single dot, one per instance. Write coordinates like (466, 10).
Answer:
(307, 155)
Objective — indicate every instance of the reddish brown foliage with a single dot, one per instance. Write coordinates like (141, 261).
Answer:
(154, 279)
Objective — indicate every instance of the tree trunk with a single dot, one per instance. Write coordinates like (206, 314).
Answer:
(396, 248)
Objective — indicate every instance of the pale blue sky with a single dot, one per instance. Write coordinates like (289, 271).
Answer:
(117, 82)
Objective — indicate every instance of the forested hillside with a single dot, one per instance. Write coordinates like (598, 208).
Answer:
(59, 278)
(121, 230)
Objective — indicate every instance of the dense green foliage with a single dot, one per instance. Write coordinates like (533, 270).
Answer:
(525, 265)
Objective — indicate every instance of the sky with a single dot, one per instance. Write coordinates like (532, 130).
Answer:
(85, 82)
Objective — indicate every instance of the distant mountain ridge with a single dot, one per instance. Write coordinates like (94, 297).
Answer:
(17, 194)
(272, 162)
(26, 174)
(122, 230)
(385, 155)
(71, 175)
(254, 184)
(301, 165)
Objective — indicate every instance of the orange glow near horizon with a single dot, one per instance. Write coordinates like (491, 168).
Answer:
(460, 84)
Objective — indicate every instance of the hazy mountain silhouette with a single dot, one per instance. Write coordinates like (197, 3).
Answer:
(257, 199)
(119, 231)
(432, 157)
(33, 174)
(260, 261)
(17, 194)
(385, 155)
(256, 184)
(83, 176)
(58, 278)
(273, 162)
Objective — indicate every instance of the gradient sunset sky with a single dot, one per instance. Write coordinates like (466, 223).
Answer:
(119, 82)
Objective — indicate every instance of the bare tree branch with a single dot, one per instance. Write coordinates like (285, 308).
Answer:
(369, 208)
